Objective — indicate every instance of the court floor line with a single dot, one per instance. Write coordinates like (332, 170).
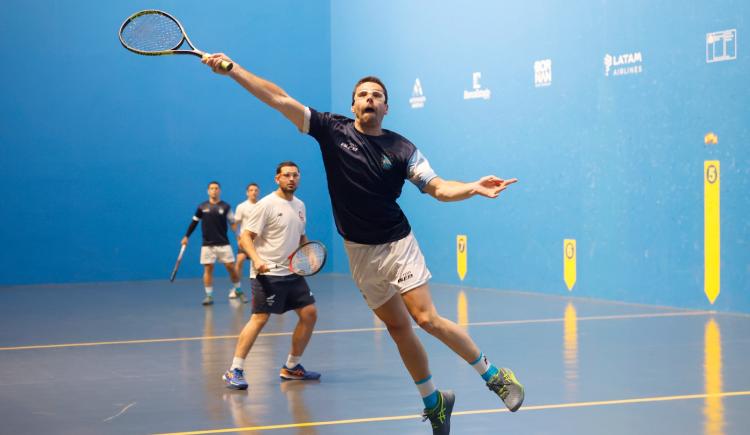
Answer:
(354, 330)
(473, 412)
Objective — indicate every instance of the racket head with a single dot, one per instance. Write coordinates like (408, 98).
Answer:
(153, 32)
(308, 259)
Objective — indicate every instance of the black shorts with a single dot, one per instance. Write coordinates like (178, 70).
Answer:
(279, 294)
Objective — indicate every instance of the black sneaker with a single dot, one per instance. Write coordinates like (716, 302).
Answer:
(440, 415)
(505, 385)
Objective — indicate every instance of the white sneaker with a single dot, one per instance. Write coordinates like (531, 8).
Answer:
(233, 294)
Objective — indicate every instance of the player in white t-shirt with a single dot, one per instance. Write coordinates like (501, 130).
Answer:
(242, 213)
(273, 231)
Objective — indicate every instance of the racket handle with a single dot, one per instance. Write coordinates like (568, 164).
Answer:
(226, 66)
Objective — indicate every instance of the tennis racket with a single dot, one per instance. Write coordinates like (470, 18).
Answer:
(307, 260)
(156, 33)
(177, 263)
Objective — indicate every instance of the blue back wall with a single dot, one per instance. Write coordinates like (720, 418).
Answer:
(106, 154)
(613, 161)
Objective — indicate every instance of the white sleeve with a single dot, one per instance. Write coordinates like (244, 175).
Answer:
(255, 221)
(306, 122)
(419, 170)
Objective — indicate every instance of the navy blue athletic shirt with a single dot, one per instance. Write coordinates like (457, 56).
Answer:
(365, 176)
(213, 219)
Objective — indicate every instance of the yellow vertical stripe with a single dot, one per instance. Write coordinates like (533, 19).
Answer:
(570, 351)
(463, 310)
(461, 249)
(713, 409)
(569, 263)
(712, 233)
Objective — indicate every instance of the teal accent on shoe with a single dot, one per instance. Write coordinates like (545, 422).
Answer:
(431, 401)
(440, 415)
(492, 371)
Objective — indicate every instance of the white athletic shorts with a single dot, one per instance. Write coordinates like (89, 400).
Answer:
(212, 254)
(382, 270)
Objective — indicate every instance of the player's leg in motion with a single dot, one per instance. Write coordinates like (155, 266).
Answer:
(236, 290)
(208, 283)
(235, 376)
(293, 369)
(438, 404)
(501, 381)
(241, 257)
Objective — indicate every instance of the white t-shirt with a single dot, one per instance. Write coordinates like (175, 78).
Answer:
(243, 213)
(279, 224)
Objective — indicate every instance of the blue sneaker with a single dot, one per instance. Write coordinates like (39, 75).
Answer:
(440, 415)
(235, 379)
(297, 373)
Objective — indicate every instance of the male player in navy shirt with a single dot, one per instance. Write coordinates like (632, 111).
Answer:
(213, 216)
(366, 167)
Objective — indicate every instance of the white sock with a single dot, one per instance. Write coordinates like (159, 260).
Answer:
(481, 365)
(237, 363)
(426, 387)
(237, 285)
(292, 361)
(209, 291)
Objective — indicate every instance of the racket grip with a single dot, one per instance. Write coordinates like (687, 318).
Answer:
(226, 66)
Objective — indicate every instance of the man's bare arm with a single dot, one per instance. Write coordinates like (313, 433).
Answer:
(262, 89)
(446, 190)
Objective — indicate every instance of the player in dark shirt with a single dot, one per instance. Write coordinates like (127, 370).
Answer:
(214, 215)
(366, 166)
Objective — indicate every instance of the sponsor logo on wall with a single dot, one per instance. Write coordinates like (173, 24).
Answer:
(623, 64)
(477, 92)
(542, 73)
(721, 46)
(417, 96)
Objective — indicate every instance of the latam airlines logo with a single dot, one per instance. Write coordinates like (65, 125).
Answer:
(542, 73)
(624, 64)
(477, 92)
(417, 96)
(721, 46)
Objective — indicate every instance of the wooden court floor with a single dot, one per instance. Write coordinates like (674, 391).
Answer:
(146, 358)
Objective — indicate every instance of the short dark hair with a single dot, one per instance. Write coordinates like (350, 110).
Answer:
(252, 184)
(372, 79)
(214, 182)
(286, 163)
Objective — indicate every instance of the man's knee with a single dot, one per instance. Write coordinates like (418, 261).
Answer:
(260, 319)
(308, 314)
(427, 320)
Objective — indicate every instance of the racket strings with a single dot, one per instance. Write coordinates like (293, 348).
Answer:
(309, 259)
(152, 32)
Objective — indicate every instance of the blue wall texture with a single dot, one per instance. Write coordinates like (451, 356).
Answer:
(106, 154)
(599, 108)
(612, 158)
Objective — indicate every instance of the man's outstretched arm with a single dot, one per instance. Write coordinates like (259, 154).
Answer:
(262, 89)
(446, 190)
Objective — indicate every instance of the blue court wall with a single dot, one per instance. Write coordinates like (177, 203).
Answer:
(106, 154)
(611, 158)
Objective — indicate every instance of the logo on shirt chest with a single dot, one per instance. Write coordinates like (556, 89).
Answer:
(386, 162)
(349, 146)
